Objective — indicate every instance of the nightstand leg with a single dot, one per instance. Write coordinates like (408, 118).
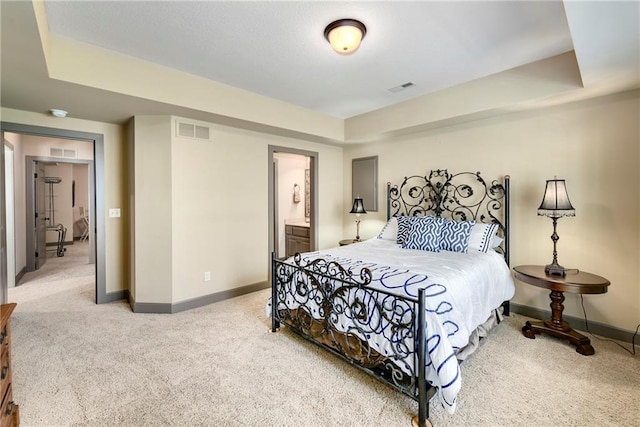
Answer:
(558, 327)
(557, 298)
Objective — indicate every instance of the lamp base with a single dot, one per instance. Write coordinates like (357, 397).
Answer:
(555, 269)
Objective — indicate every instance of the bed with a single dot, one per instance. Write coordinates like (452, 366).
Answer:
(408, 305)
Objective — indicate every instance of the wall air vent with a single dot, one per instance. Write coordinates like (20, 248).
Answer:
(202, 132)
(402, 87)
(63, 152)
(190, 130)
(186, 129)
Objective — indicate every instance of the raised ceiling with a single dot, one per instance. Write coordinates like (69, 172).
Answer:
(266, 65)
(277, 49)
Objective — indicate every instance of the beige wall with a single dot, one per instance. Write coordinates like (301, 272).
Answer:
(116, 249)
(41, 146)
(152, 210)
(220, 208)
(203, 206)
(594, 145)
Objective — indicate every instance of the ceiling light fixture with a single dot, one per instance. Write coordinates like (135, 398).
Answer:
(345, 35)
(58, 113)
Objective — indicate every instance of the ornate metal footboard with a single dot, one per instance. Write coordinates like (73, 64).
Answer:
(338, 310)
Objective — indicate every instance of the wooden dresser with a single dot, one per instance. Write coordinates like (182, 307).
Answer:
(9, 411)
(297, 239)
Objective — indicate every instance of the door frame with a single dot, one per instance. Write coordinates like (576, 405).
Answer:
(274, 199)
(9, 211)
(313, 220)
(97, 214)
(3, 234)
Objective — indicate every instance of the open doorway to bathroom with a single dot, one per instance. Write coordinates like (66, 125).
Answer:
(292, 201)
(74, 162)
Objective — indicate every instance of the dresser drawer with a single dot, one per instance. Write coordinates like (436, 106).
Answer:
(293, 230)
(9, 411)
(4, 347)
(4, 338)
(5, 369)
(9, 414)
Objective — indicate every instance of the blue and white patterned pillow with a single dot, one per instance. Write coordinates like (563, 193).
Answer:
(481, 237)
(424, 234)
(404, 225)
(454, 235)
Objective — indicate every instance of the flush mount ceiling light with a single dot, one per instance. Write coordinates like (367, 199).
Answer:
(58, 113)
(345, 35)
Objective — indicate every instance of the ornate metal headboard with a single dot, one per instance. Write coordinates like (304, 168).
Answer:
(462, 196)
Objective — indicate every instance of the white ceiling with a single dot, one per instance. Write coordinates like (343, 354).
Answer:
(278, 49)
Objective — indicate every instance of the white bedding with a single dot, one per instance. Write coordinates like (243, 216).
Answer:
(462, 291)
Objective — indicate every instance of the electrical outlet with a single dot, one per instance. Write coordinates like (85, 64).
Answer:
(207, 276)
(114, 213)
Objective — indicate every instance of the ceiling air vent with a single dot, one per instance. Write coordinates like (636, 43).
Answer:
(402, 87)
(69, 154)
(190, 130)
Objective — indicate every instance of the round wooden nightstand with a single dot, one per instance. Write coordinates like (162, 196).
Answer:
(579, 283)
(346, 242)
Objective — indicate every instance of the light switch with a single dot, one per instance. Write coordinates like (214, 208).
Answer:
(114, 213)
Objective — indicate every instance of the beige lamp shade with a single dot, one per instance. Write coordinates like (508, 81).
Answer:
(555, 202)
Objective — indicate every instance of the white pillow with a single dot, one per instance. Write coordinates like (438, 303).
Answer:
(497, 241)
(481, 237)
(390, 230)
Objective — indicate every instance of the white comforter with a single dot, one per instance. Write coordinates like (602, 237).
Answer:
(462, 291)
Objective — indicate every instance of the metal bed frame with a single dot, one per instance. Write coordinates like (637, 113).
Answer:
(330, 290)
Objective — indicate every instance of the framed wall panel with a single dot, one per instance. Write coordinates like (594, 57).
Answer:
(364, 181)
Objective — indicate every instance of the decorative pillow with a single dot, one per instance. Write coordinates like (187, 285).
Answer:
(390, 230)
(404, 225)
(481, 237)
(454, 235)
(424, 234)
(496, 241)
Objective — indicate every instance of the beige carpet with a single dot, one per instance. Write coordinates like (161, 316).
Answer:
(79, 364)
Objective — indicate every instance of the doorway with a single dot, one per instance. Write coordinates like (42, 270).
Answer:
(293, 199)
(53, 218)
(96, 216)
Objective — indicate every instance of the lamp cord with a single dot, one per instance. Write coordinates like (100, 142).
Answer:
(633, 338)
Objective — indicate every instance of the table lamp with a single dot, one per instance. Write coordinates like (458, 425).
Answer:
(358, 209)
(555, 204)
